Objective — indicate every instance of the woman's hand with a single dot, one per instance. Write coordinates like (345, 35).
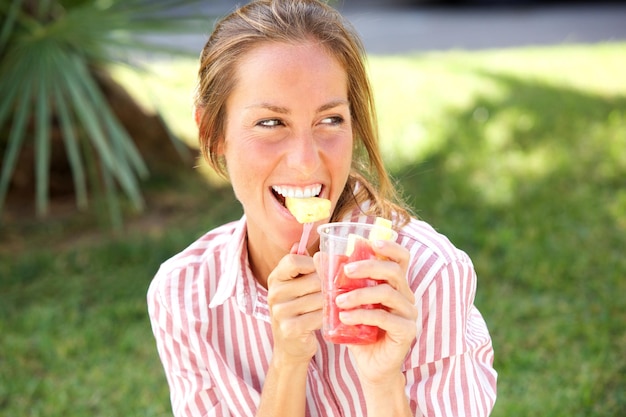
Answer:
(380, 362)
(295, 304)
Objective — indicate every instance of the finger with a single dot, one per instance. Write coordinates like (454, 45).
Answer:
(304, 324)
(294, 250)
(392, 251)
(304, 285)
(291, 266)
(317, 260)
(382, 294)
(293, 289)
(385, 271)
(307, 304)
(397, 327)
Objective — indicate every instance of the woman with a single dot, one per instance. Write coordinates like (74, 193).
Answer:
(284, 109)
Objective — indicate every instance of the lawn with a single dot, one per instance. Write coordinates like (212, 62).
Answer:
(518, 155)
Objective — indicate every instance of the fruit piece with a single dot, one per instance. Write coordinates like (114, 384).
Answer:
(352, 238)
(361, 251)
(358, 249)
(308, 210)
(382, 230)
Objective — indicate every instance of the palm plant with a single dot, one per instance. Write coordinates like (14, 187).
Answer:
(51, 52)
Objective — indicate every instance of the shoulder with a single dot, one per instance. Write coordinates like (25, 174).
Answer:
(196, 269)
(420, 236)
(431, 254)
(214, 241)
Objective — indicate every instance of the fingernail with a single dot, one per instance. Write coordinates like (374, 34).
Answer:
(349, 268)
(379, 243)
(340, 299)
(345, 317)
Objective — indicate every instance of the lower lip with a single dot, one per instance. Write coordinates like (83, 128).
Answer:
(284, 211)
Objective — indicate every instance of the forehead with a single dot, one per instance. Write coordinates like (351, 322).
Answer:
(272, 69)
(306, 54)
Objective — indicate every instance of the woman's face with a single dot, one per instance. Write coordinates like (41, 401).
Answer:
(288, 133)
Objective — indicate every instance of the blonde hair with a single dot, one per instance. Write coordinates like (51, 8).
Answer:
(293, 21)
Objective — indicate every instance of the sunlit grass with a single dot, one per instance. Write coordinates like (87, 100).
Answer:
(517, 155)
(522, 165)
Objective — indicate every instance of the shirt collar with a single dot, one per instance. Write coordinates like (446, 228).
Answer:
(237, 279)
(232, 264)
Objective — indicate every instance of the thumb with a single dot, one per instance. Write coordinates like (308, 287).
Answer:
(294, 249)
(317, 260)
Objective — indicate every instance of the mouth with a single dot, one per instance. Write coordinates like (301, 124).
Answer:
(282, 191)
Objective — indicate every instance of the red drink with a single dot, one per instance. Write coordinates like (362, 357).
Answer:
(342, 243)
(333, 329)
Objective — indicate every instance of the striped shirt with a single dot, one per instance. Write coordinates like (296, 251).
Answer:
(211, 322)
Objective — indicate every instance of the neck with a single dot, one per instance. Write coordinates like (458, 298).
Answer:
(262, 261)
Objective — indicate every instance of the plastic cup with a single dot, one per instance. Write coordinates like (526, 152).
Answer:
(337, 249)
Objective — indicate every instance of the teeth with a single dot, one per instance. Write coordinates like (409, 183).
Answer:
(294, 192)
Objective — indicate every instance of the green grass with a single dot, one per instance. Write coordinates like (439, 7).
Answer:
(519, 156)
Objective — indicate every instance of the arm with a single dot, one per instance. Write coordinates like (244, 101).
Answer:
(440, 340)
(295, 305)
(449, 371)
(284, 389)
(380, 364)
(202, 382)
(192, 391)
(387, 398)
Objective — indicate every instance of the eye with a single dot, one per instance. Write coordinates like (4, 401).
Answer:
(269, 123)
(333, 120)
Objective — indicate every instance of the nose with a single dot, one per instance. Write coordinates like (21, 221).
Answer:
(303, 155)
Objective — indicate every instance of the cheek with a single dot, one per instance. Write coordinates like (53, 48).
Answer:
(251, 156)
(247, 164)
(241, 179)
(340, 152)
(240, 165)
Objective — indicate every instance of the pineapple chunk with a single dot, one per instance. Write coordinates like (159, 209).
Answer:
(308, 210)
(382, 231)
(352, 238)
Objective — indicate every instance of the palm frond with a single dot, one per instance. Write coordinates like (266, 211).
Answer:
(85, 99)
(42, 145)
(49, 51)
(14, 143)
(111, 199)
(10, 13)
(72, 147)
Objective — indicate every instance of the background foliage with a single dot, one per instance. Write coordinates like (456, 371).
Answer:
(517, 155)
(53, 60)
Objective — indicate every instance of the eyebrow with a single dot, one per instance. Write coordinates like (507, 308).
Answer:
(333, 104)
(284, 110)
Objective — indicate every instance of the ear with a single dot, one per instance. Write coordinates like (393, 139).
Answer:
(197, 115)
(221, 148)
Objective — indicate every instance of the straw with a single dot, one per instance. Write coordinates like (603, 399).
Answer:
(306, 231)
